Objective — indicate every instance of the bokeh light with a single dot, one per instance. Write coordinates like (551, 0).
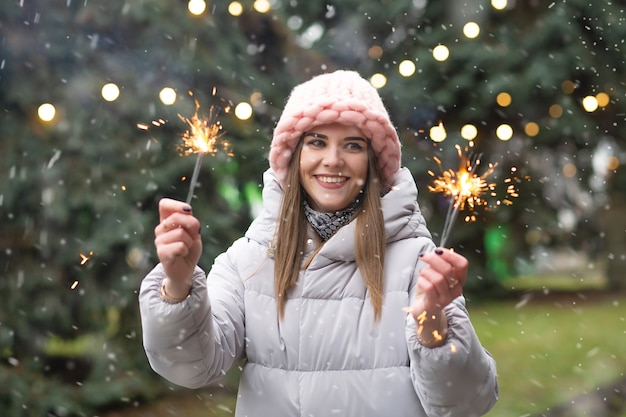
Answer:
(375, 52)
(499, 4)
(378, 80)
(555, 111)
(196, 7)
(569, 170)
(262, 6)
(406, 68)
(603, 99)
(167, 96)
(469, 132)
(590, 104)
(441, 53)
(531, 129)
(243, 111)
(503, 99)
(311, 35)
(504, 132)
(471, 30)
(235, 8)
(438, 133)
(46, 112)
(110, 92)
(568, 87)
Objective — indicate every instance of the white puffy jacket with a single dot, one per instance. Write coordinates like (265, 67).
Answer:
(327, 356)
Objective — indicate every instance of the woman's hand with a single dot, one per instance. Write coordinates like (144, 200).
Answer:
(440, 281)
(178, 245)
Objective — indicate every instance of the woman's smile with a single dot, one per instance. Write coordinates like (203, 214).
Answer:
(333, 166)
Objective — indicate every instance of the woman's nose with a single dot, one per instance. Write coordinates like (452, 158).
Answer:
(333, 157)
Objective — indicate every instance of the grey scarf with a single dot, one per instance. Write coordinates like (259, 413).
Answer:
(326, 224)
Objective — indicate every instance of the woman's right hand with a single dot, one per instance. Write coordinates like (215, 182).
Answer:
(178, 245)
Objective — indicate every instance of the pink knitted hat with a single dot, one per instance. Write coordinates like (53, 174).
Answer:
(342, 97)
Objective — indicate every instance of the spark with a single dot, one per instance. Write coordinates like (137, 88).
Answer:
(421, 319)
(146, 126)
(203, 138)
(85, 258)
(203, 135)
(466, 189)
(74, 285)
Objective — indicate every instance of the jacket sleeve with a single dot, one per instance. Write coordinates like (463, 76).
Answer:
(194, 342)
(457, 378)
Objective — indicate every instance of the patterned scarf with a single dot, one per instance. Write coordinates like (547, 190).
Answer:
(326, 224)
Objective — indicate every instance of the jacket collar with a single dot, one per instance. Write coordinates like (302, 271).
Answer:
(403, 218)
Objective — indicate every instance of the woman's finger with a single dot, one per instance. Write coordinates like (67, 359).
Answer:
(450, 264)
(456, 260)
(179, 221)
(167, 207)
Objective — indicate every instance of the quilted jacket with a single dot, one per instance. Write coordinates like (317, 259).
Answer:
(327, 356)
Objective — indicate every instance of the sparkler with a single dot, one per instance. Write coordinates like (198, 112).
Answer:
(202, 138)
(465, 188)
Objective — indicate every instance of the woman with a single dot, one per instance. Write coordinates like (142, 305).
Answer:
(315, 296)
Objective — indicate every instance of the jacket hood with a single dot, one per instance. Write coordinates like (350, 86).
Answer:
(401, 212)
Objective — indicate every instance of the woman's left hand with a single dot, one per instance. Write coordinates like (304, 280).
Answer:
(440, 281)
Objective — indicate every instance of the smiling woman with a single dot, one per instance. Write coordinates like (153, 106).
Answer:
(314, 297)
(333, 166)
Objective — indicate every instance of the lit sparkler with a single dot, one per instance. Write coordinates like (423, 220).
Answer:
(202, 138)
(466, 189)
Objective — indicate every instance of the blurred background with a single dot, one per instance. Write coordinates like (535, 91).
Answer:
(93, 97)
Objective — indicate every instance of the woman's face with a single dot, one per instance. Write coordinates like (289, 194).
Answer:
(333, 165)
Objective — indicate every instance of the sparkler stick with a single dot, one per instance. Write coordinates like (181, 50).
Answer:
(453, 211)
(194, 177)
(202, 137)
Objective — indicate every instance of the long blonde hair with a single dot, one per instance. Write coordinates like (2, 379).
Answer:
(369, 235)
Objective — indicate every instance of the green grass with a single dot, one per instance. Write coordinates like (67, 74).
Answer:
(551, 351)
(548, 351)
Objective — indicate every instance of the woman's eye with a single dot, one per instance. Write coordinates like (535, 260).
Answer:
(315, 143)
(354, 146)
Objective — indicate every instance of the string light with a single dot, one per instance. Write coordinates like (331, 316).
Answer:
(504, 132)
(531, 129)
(46, 112)
(469, 132)
(196, 7)
(262, 6)
(555, 111)
(471, 30)
(243, 111)
(504, 99)
(235, 8)
(590, 104)
(167, 96)
(603, 99)
(438, 133)
(406, 68)
(499, 4)
(441, 53)
(378, 80)
(110, 92)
